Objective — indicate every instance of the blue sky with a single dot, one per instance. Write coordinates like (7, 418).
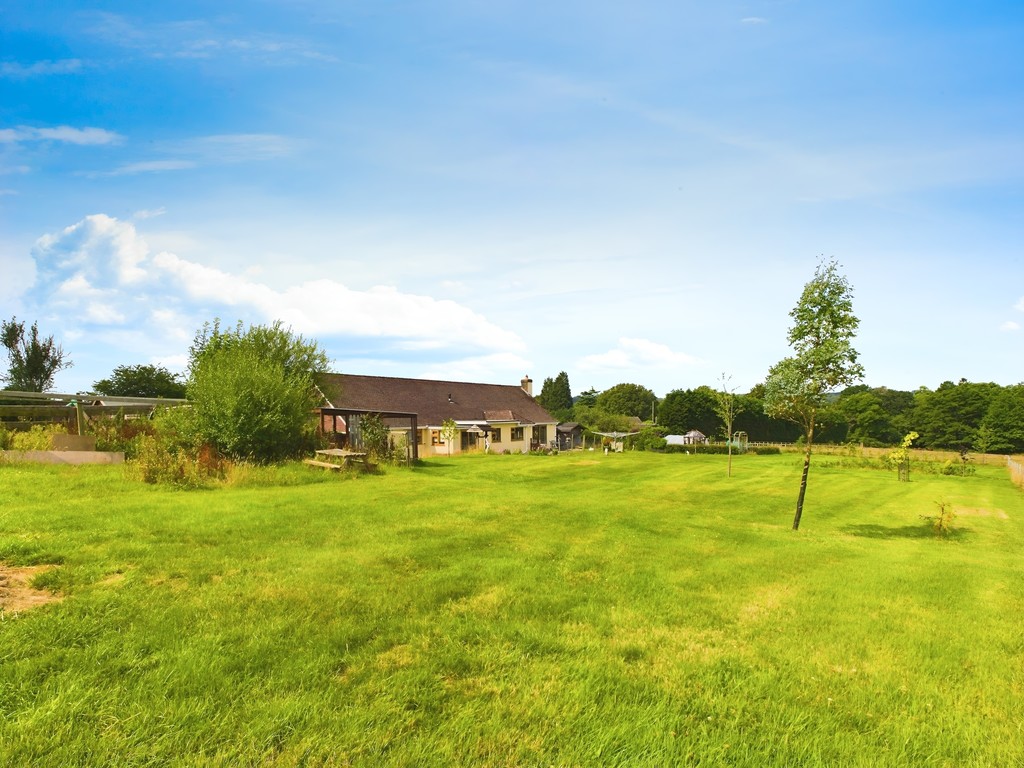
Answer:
(480, 190)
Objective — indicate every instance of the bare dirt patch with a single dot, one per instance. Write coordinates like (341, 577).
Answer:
(980, 512)
(16, 591)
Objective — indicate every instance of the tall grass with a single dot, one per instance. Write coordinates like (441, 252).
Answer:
(635, 609)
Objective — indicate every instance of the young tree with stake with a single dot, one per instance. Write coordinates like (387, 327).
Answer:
(728, 408)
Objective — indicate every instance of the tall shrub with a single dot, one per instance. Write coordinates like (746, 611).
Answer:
(253, 390)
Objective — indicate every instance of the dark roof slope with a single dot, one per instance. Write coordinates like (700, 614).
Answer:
(434, 401)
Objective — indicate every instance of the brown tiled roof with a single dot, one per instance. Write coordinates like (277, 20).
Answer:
(434, 401)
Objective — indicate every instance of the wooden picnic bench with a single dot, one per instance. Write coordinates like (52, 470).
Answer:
(321, 464)
(339, 458)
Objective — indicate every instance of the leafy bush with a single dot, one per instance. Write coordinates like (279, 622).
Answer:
(156, 462)
(38, 438)
(253, 390)
(116, 433)
(376, 437)
(963, 469)
(647, 439)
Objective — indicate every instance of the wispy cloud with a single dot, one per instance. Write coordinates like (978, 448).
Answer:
(17, 71)
(203, 39)
(237, 147)
(149, 213)
(632, 354)
(219, 149)
(753, 20)
(62, 133)
(1010, 325)
(151, 166)
(1020, 304)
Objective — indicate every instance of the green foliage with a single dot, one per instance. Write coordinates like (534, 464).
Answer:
(555, 395)
(628, 400)
(587, 398)
(722, 449)
(647, 439)
(141, 381)
(33, 361)
(253, 390)
(1004, 421)
(156, 461)
(39, 437)
(449, 431)
(597, 419)
(116, 433)
(376, 437)
(899, 459)
(823, 358)
(686, 409)
(950, 416)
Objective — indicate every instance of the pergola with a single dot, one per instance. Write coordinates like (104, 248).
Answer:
(350, 434)
(21, 410)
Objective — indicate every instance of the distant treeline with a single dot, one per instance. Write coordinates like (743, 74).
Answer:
(982, 417)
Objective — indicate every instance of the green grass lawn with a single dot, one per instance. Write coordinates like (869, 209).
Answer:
(580, 610)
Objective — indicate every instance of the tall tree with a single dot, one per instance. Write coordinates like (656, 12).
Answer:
(686, 409)
(727, 406)
(823, 359)
(555, 395)
(628, 400)
(33, 361)
(141, 381)
(1004, 421)
(950, 416)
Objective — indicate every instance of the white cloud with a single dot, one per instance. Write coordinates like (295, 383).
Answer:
(16, 70)
(102, 271)
(636, 354)
(238, 147)
(151, 166)
(1010, 325)
(1020, 304)
(210, 150)
(149, 213)
(500, 368)
(753, 20)
(202, 39)
(62, 133)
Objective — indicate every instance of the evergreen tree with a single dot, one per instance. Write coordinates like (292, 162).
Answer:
(555, 394)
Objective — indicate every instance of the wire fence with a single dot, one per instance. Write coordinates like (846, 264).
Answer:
(1016, 467)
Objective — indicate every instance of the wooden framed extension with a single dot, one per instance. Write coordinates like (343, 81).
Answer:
(343, 427)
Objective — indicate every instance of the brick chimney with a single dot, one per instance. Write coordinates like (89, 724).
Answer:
(527, 385)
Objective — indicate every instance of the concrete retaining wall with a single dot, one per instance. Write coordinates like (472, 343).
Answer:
(65, 457)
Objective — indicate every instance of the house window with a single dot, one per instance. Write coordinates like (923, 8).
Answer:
(435, 437)
(496, 434)
(421, 436)
(540, 434)
(517, 434)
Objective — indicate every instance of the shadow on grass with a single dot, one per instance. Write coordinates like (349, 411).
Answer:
(922, 531)
(429, 465)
